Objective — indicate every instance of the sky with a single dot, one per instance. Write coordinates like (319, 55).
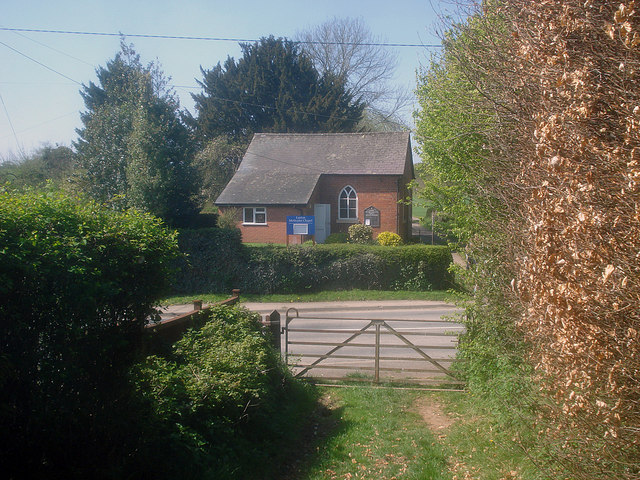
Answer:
(41, 74)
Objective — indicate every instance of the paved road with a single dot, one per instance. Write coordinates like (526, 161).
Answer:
(422, 323)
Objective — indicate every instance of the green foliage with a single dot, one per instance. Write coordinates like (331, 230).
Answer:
(47, 163)
(359, 233)
(338, 237)
(134, 150)
(389, 239)
(216, 163)
(272, 88)
(228, 218)
(452, 130)
(467, 183)
(218, 262)
(214, 260)
(77, 282)
(223, 403)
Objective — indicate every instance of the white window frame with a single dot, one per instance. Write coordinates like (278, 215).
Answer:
(255, 211)
(349, 208)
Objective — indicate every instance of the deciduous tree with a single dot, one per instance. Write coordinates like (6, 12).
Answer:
(346, 48)
(54, 163)
(549, 87)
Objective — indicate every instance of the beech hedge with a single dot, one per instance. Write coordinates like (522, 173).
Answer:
(216, 261)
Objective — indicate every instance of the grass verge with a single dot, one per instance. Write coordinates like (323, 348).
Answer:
(371, 433)
(486, 445)
(324, 296)
(366, 432)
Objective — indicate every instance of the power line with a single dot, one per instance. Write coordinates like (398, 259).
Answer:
(75, 112)
(214, 39)
(10, 124)
(40, 63)
(54, 49)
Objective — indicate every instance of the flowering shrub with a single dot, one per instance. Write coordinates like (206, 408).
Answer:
(389, 239)
(359, 233)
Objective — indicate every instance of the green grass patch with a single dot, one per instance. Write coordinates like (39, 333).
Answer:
(484, 445)
(373, 433)
(324, 296)
(418, 211)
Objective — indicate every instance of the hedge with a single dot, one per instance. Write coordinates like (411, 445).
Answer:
(213, 260)
(77, 282)
(224, 406)
(217, 262)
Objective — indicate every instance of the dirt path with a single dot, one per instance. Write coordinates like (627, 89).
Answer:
(433, 414)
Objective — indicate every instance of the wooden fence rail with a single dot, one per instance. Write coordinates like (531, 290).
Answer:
(171, 330)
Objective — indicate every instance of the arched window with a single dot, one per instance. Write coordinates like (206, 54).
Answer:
(348, 204)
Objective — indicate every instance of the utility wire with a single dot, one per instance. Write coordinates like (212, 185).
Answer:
(40, 63)
(54, 49)
(11, 124)
(75, 112)
(214, 39)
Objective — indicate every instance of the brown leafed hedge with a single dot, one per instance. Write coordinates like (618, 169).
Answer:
(554, 88)
(579, 274)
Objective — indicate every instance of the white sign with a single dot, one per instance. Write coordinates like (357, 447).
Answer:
(301, 229)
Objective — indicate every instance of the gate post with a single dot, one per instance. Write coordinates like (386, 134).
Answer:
(377, 361)
(272, 322)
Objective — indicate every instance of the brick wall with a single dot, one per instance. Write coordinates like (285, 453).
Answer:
(372, 190)
(276, 228)
(381, 192)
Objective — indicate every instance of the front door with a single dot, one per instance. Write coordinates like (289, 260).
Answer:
(322, 212)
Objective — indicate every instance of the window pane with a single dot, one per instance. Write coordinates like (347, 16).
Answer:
(347, 204)
(261, 217)
(248, 215)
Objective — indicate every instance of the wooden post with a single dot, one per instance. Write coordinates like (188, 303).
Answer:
(377, 359)
(197, 304)
(235, 292)
(272, 325)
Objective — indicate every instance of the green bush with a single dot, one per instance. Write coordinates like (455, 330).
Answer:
(77, 282)
(362, 234)
(228, 219)
(389, 239)
(214, 260)
(276, 268)
(339, 237)
(224, 400)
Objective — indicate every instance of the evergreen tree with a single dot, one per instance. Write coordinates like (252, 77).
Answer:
(134, 149)
(274, 87)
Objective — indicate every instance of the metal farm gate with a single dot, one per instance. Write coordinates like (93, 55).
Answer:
(389, 350)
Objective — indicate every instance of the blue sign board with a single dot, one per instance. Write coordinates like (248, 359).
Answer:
(301, 225)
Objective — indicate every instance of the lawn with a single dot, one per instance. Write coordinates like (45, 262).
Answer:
(366, 432)
(323, 296)
(419, 211)
(374, 433)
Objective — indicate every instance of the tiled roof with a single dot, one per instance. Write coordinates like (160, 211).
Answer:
(283, 168)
